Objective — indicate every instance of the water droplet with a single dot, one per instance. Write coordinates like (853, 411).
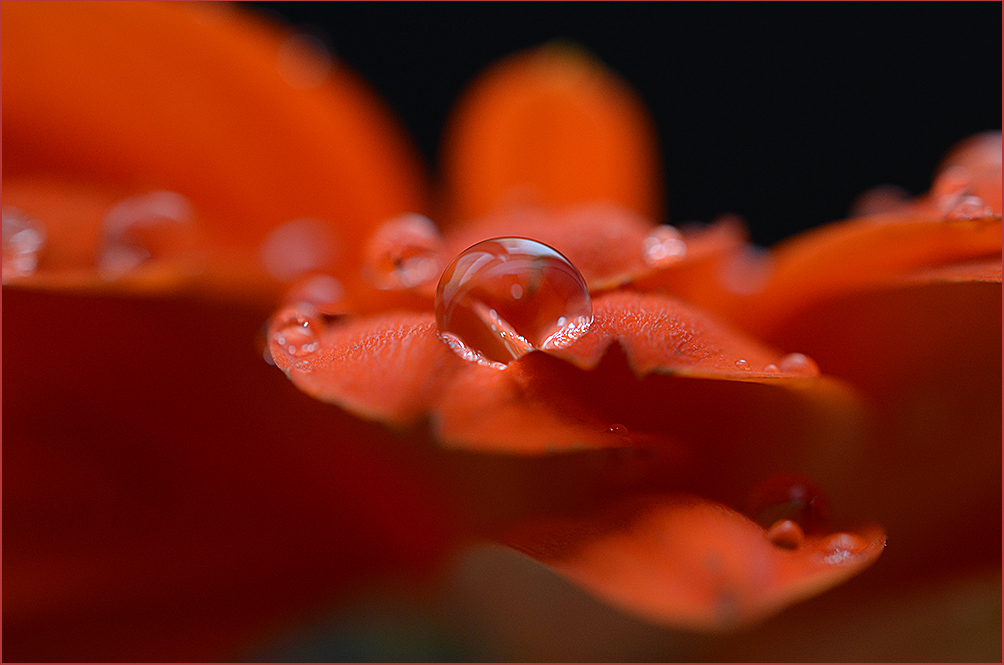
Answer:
(618, 429)
(141, 227)
(478, 315)
(663, 247)
(770, 369)
(786, 534)
(968, 207)
(842, 546)
(296, 330)
(299, 246)
(23, 240)
(323, 292)
(405, 253)
(797, 363)
(787, 497)
(304, 61)
(743, 364)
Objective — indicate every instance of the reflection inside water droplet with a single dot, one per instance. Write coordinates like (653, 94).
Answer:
(404, 253)
(481, 318)
(663, 247)
(23, 240)
(841, 547)
(141, 227)
(296, 330)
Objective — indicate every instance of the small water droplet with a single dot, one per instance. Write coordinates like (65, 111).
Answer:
(786, 534)
(23, 240)
(968, 207)
(141, 227)
(618, 429)
(770, 369)
(404, 253)
(477, 313)
(323, 292)
(663, 247)
(842, 546)
(787, 497)
(304, 61)
(743, 364)
(296, 330)
(299, 246)
(797, 363)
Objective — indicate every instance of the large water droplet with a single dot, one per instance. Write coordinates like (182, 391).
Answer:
(23, 239)
(663, 247)
(404, 253)
(786, 534)
(296, 330)
(786, 497)
(140, 227)
(504, 297)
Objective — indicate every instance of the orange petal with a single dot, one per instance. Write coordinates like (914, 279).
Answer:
(680, 561)
(550, 127)
(199, 100)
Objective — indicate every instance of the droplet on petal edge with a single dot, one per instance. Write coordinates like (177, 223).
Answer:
(786, 534)
(968, 207)
(504, 297)
(404, 253)
(298, 247)
(797, 363)
(663, 247)
(296, 330)
(139, 228)
(23, 241)
(841, 547)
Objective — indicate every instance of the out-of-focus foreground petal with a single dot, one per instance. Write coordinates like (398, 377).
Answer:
(550, 127)
(685, 561)
(255, 126)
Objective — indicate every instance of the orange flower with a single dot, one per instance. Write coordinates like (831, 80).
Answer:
(631, 419)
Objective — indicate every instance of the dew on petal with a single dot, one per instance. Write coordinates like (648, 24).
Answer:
(786, 497)
(797, 363)
(663, 247)
(404, 253)
(23, 240)
(142, 227)
(304, 62)
(618, 429)
(297, 247)
(770, 369)
(841, 547)
(296, 330)
(743, 364)
(786, 534)
(968, 207)
(324, 292)
(479, 315)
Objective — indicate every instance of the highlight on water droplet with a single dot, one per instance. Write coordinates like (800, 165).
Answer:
(663, 247)
(405, 253)
(797, 363)
(479, 316)
(296, 329)
(324, 292)
(23, 240)
(297, 247)
(142, 227)
(786, 534)
(968, 207)
(842, 546)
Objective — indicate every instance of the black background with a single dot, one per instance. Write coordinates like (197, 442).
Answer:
(782, 113)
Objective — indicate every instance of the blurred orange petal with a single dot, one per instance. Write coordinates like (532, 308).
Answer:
(682, 561)
(549, 127)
